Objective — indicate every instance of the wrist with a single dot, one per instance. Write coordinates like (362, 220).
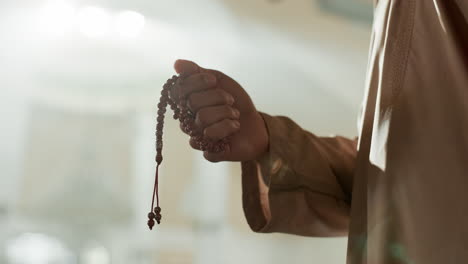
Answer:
(264, 139)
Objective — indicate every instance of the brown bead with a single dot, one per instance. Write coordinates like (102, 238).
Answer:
(216, 149)
(151, 224)
(158, 217)
(160, 118)
(151, 215)
(159, 159)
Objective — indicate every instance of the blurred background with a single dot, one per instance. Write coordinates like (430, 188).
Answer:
(79, 85)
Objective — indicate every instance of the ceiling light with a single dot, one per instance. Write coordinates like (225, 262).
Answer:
(56, 18)
(129, 23)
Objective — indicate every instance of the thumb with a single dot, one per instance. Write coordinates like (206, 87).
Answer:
(186, 67)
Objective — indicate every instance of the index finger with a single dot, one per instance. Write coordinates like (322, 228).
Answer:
(186, 67)
(193, 83)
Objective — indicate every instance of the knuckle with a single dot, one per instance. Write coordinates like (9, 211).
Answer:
(193, 83)
(203, 80)
(210, 157)
(192, 102)
(230, 112)
(231, 128)
(194, 147)
(213, 133)
(209, 132)
(229, 99)
(193, 79)
(226, 110)
(225, 97)
(233, 125)
(201, 77)
(201, 117)
(217, 73)
(193, 144)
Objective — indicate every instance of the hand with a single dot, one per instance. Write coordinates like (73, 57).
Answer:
(222, 108)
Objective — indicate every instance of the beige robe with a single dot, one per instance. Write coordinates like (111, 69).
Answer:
(401, 192)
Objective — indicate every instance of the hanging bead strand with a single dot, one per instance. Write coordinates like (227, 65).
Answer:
(187, 120)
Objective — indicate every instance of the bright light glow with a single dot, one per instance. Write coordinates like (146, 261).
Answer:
(93, 21)
(59, 17)
(56, 18)
(96, 255)
(129, 23)
(31, 248)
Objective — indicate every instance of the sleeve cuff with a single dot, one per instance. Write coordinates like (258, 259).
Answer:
(256, 180)
(277, 187)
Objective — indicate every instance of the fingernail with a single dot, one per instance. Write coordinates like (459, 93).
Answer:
(236, 124)
(236, 113)
(209, 78)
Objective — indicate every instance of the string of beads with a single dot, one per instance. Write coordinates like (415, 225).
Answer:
(187, 120)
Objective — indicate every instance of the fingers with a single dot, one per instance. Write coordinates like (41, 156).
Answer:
(186, 67)
(194, 144)
(221, 129)
(194, 83)
(209, 116)
(210, 156)
(215, 122)
(207, 98)
(217, 157)
(217, 132)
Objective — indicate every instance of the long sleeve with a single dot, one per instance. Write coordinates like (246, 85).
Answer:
(302, 185)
